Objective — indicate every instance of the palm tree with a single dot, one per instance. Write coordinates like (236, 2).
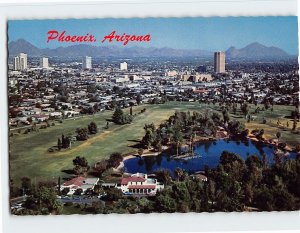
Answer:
(140, 152)
(278, 135)
(192, 138)
(169, 133)
(179, 173)
(177, 138)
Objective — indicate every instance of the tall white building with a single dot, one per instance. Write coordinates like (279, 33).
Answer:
(44, 63)
(123, 66)
(87, 62)
(20, 62)
(16, 63)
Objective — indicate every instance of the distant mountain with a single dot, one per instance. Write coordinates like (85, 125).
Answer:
(251, 51)
(256, 51)
(23, 46)
(80, 50)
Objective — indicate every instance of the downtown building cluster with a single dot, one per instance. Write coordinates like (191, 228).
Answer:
(67, 89)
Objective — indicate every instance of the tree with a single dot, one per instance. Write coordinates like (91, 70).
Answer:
(115, 159)
(26, 185)
(253, 162)
(216, 117)
(82, 134)
(63, 141)
(80, 161)
(140, 151)
(179, 173)
(78, 192)
(131, 113)
(59, 144)
(177, 139)
(47, 198)
(92, 128)
(264, 200)
(225, 116)
(139, 99)
(149, 127)
(120, 118)
(113, 194)
(245, 109)
(31, 203)
(118, 115)
(267, 104)
(232, 164)
(181, 192)
(163, 176)
(234, 108)
(294, 124)
(148, 139)
(166, 203)
(107, 125)
(260, 134)
(235, 127)
(80, 165)
(278, 135)
(283, 200)
(100, 167)
(67, 142)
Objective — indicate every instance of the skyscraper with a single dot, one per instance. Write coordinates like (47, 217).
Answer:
(20, 62)
(16, 63)
(123, 66)
(44, 63)
(23, 61)
(219, 62)
(87, 62)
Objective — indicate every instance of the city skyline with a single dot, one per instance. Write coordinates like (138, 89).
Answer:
(214, 34)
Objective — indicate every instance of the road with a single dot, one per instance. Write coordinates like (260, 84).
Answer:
(18, 200)
(79, 200)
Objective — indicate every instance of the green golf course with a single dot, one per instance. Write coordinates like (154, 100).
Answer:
(29, 154)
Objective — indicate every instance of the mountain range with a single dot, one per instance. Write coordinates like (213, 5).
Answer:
(251, 51)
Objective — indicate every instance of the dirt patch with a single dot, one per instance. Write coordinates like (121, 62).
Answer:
(86, 143)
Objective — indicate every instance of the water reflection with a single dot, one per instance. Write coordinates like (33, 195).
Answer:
(159, 159)
(149, 162)
(209, 152)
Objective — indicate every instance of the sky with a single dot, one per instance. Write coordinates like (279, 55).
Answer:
(211, 33)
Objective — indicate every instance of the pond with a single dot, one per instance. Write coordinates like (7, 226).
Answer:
(207, 153)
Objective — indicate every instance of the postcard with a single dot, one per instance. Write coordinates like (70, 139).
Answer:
(153, 115)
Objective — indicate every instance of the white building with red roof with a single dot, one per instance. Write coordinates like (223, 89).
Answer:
(140, 184)
(79, 182)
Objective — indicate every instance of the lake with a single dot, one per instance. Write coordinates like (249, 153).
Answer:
(208, 153)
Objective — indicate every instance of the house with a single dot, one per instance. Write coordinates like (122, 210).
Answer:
(139, 184)
(199, 176)
(79, 182)
(40, 117)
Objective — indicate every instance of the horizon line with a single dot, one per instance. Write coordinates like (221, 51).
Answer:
(133, 46)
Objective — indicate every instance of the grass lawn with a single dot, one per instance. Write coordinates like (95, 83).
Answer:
(271, 128)
(29, 156)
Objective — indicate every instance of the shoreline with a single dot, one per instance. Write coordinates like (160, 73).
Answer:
(249, 137)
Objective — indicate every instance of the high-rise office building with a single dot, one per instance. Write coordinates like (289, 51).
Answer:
(20, 62)
(123, 66)
(219, 62)
(44, 63)
(16, 63)
(87, 62)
